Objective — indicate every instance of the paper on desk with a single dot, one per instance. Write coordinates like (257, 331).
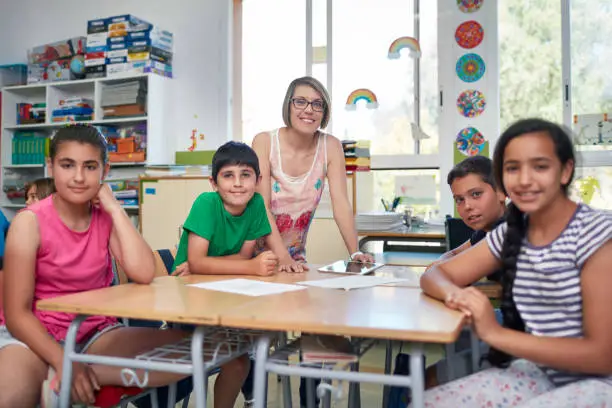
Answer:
(352, 282)
(247, 287)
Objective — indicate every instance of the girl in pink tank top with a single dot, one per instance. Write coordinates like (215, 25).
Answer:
(63, 245)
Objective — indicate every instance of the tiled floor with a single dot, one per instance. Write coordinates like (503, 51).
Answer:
(371, 394)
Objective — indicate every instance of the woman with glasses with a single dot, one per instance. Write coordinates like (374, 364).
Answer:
(294, 162)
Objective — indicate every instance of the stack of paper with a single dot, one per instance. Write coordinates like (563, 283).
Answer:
(353, 282)
(379, 221)
(247, 287)
(327, 349)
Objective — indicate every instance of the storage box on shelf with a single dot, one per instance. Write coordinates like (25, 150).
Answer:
(137, 137)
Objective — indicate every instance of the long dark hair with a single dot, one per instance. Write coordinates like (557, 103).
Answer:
(517, 225)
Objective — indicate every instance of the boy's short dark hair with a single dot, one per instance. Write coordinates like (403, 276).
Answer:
(234, 153)
(479, 165)
(85, 134)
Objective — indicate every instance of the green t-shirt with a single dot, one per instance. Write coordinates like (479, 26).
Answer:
(225, 232)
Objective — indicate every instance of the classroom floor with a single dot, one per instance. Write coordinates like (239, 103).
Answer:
(371, 394)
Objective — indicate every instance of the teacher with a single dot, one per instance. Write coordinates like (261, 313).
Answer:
(294, 161)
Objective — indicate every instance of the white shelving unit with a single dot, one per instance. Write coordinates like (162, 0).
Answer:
(160, 148)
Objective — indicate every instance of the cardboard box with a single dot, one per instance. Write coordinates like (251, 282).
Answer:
(57, 50)
(97, 40)
(97, 26)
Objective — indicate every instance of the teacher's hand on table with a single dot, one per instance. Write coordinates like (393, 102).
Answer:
(291, 266)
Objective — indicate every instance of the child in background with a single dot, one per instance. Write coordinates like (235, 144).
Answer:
(222, 227)
(556, 256)
(39, 189)
(63, 244)
(480, 204)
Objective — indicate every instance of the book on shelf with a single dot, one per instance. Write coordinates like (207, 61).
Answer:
(327, 349)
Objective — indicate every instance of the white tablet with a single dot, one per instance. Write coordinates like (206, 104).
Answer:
(350, 267)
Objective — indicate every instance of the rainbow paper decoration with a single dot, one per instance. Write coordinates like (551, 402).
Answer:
(401, 43)
(361, 94)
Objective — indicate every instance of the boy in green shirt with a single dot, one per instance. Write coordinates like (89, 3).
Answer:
(222, 227)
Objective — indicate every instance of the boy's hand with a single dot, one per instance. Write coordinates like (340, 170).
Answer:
(106, 199)
(288, 264)
(182, 270)
(265, 263)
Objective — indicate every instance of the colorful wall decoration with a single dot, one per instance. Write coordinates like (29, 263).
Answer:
(471, 103)
(470, 67)
(469, 34)
(469, 6)
(361, 94)
(404, 42)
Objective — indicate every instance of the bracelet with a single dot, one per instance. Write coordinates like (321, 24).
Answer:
(355, 254)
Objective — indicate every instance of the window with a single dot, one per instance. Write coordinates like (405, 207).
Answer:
(530, 60)
(273, 54)
(591, 56)
(361, 36)
(593, 186)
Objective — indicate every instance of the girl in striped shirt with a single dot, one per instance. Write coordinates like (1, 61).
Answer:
(555, 349)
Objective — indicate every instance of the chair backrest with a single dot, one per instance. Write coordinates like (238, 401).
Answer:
(457, 232)
(164, 259)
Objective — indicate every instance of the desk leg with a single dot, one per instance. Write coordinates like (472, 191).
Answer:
(475, 343)
(285, 379)
(69, 350)
(261, 359)
(171, 395)
(450, 358)
(354, 397)
(197, 359)
(388, 364)
(417, 375)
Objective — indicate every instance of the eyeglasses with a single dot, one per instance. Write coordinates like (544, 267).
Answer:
(302, 104)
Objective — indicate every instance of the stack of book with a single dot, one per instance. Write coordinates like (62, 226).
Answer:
(29, 147)
(30, 113)
(125, 99)
(127, 45)
(73, 109)
(357, 155)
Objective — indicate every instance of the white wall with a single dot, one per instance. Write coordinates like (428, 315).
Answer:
(202, 51)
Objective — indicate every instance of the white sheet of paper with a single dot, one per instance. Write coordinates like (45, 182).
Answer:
(247, 287)
(352, 282)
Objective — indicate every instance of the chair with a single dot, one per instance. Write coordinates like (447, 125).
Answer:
(164, 260)
(457, 232)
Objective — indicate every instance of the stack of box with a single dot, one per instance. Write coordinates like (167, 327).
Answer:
(126, 45)
(59, 61)
(74, 109)
(31, 113)
(356, 155)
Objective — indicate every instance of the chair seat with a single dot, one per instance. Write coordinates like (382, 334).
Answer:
(111, 395)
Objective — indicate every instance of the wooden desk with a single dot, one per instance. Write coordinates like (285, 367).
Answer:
(389, 312)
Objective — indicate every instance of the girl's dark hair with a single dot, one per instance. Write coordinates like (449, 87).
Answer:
(78, 133)
(44, 187)
(517, 225)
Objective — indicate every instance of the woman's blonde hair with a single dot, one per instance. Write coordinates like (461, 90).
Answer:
(317, 86)
(44, 187)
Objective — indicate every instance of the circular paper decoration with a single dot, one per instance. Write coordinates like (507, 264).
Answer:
(471, 103)
(470, 68)
(469, 6)
(469, 34)
(470, 141)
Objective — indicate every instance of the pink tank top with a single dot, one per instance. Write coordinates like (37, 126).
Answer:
(294, 199)
(71, 262)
